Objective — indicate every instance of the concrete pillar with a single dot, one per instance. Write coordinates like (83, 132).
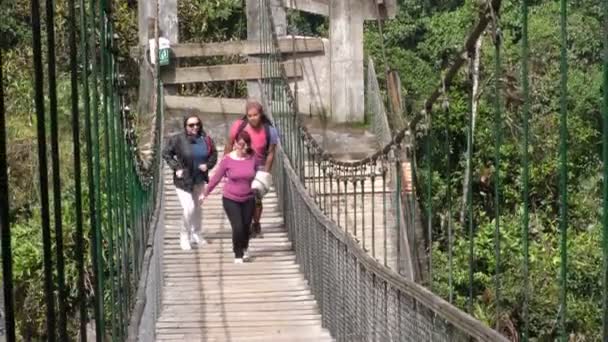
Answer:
(252, 8)
(280, 17)
(253, 11)
(145, 10)
(169, 28)
(168, 20)
(346, 56)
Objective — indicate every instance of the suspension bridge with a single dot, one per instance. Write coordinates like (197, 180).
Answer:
(347, 247)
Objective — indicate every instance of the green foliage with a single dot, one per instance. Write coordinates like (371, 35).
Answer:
(420, 42)
(13, 28)
(307, 24)
(207, 21)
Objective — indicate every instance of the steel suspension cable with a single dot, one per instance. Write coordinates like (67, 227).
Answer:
(448, 155)
(563, 171)
(526, 169)
(383, 49)
(469, 198)
(121, 204)
(498, 141)
(429, 194)
(5, 227)
(78, 235)
(109, 188)
(43, 172)
(605, 172)
(91, 168)
(52, 93)
(97, 235)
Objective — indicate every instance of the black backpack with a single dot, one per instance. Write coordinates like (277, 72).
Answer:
(266, 124)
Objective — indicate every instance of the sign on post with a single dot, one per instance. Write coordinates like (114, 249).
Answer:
(164, 53)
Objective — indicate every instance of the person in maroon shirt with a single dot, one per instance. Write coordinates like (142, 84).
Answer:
(239, 168)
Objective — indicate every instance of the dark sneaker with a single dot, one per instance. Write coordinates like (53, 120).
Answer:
(256, 230)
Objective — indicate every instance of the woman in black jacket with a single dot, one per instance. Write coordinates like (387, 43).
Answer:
(191, 154)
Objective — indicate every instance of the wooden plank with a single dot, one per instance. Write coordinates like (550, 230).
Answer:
(244, 331)
(205, 284)
(306, 308)
(320, 7)
(242, 47)
(206, 105)
(242, 324)
(228, 72)
(245, 47)
(270, 336)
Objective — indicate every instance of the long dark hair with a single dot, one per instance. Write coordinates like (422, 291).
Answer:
(200, 123)
(243, 135)
(251, 104)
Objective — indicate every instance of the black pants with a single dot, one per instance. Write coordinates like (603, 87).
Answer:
(240, 215)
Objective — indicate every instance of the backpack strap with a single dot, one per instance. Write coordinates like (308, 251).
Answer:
(209, 144)
(267, 131)
(242, 126)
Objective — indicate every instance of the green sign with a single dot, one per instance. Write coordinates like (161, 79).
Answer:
(164, 56)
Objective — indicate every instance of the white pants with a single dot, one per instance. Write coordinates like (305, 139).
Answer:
(192, 209)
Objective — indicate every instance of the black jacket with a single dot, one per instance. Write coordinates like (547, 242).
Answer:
(178, 155)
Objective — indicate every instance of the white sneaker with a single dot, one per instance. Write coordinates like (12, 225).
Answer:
(184, 241)
(246, 256)
(238, 260)
(196, 239)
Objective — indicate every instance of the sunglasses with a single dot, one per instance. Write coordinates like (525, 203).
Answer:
(194, 125)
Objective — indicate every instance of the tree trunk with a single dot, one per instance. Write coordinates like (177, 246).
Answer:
(474, 103)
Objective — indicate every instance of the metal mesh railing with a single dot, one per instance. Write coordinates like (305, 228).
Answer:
(359, 299)
(88, 251)
(340, 243)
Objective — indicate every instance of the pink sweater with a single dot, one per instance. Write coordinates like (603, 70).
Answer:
(239, 175)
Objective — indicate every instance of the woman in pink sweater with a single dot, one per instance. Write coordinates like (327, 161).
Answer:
(239, 168)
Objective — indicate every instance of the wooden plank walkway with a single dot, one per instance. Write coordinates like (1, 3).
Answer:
(206, 297)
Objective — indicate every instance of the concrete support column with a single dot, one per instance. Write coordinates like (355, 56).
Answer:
(169, 28)
(346, 58)
(168, 20)
(252, 8)
(280, 17)
(254, 28)
(145, 11)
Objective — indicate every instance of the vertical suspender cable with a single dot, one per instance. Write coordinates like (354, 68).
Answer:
(526, 169)
(97, 233)
(103, 31)
(563, 171)
(42, 168)
(5, 229)
(498, 142)
(605, 171)
(84, 42)
(50, 35)
(429, 194)
(77, 172)
(448, 155)
(469, 197)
